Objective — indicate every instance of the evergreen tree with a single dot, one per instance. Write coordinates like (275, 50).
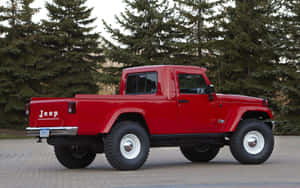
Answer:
(196, 25)
(294, 96)
(71, 52)
(18, 54)
(292, 30)
(248, 50)
(291, 74)
(3, 32)
(148, 38)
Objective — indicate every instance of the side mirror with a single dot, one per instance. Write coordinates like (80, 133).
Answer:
(210, 90)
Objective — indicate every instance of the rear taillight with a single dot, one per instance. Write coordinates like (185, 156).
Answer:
(265, 102)
(27, 109)
(72, 107)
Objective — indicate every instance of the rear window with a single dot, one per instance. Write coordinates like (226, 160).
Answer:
(141, 83)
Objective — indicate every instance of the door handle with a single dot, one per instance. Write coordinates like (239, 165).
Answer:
(183, 101)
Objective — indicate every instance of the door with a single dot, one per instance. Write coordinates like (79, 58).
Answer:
(196, 113)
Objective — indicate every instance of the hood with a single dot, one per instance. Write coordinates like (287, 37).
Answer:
(240, 99)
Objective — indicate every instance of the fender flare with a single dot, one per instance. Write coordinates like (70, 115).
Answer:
(237, 115)
(117, 113)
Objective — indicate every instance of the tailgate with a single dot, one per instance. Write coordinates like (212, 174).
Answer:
(52, 112)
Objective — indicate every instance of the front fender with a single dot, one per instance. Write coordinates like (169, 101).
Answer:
(117, 113)
(238, 113)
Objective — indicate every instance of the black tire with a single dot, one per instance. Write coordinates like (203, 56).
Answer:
(74, 156)
(112, 147)
(201, 153)
(239, 148)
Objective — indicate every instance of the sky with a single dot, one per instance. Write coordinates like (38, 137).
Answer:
(103, 9)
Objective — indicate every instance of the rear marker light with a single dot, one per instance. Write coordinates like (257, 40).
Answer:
(27, 109)
(72, 107)
(265, 102)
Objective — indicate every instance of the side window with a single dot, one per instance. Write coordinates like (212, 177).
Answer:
(141, 83)
(191, 83)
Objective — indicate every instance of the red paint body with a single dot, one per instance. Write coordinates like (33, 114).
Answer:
(162, 112)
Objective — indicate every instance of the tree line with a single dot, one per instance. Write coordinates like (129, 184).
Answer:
(57, 57)
(248, 47)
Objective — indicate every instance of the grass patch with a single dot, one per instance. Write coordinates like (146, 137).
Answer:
(12, 134)
(2, 137)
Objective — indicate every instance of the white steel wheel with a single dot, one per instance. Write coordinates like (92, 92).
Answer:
(127, 145)
(130, 146)
(253, 142)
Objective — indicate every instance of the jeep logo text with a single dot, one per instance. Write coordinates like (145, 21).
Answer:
(48, 114)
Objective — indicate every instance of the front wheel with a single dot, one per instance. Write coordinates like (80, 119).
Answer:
(74, 156)
(252, 142)
(200, 153)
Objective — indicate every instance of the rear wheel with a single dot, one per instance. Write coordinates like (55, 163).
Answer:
(252, 142)
(200, 153)
(126, 147)
(74, 156)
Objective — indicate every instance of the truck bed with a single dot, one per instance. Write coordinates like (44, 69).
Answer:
(95, 114)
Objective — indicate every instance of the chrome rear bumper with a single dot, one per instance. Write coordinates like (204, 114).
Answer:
(53, 131)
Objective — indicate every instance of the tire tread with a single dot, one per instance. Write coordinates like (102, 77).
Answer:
(111, 146)
(236, 146)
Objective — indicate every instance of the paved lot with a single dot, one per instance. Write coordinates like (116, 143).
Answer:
(26, 164)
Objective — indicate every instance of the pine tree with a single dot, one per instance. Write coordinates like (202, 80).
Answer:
(3, 32)
(196, 25)
(295, 96)
(18, 60)
(248, 50)
(71, 52)
(148, 38)
(290, 26)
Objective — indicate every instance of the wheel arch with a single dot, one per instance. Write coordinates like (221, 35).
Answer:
(128, 115)
(261, 115)
(250, 113)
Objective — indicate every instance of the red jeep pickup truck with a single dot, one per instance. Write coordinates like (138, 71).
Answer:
(157, 106)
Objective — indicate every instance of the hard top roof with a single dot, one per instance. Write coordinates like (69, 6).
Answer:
(153, 67)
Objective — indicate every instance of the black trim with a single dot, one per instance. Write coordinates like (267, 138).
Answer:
(188, 139)
(96, 142)
(193, 135)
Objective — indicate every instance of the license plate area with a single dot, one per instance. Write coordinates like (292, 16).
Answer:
(44, 133)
